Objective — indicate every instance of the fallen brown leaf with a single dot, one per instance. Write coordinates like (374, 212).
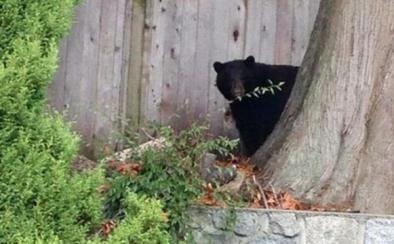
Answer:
(131, 169)
(289, 202)
(107, 227)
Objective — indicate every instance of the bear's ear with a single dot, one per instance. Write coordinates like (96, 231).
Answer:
(218, 66)
(249, 61)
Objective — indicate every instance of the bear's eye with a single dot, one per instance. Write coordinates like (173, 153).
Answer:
(245, 77)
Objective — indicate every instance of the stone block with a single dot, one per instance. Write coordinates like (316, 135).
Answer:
(379, 231)
(285, 224)
(331, 230)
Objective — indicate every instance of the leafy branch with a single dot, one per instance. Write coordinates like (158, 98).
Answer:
(261, 90)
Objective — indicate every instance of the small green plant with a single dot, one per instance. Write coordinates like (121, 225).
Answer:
(170, 174)
(231, 219)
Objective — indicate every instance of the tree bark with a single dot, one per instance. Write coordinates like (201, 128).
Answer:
(334, 143)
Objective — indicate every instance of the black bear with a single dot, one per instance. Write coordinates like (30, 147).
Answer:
(255, 117)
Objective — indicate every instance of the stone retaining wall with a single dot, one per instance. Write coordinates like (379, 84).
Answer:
(211, 225)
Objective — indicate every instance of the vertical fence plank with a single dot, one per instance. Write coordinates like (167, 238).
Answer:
(74, 56)
(219, 52)
(56, 88)
(154, 82)
(75, 83)
(105, 83)
(134, 76)
(300, 33)
(146, 66)
(283, 32)
(188, 87)
(236, 45)
(171, 50)
(89, 68)
(268, 31)
(202, 64)
(119, 49)
(313, 10)
(254, 11)
(127, 57)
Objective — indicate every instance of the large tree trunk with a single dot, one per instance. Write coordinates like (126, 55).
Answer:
(335, 141)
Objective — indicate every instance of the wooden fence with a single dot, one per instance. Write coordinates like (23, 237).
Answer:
(126, 62)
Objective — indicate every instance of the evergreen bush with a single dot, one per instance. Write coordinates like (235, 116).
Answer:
(40, 200)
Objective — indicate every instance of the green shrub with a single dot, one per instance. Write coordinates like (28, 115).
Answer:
(40, 200)
(46, 21)
(144, 222)
(170, 174)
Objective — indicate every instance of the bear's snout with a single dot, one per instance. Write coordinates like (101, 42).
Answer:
(237, 88)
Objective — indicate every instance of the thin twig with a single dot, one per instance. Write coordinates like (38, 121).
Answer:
(147, 134)
(275, 197)
(262, 191)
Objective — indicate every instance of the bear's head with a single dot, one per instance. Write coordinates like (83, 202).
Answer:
(236, 78)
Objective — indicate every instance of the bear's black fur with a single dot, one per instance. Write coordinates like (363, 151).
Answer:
(255, 118)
